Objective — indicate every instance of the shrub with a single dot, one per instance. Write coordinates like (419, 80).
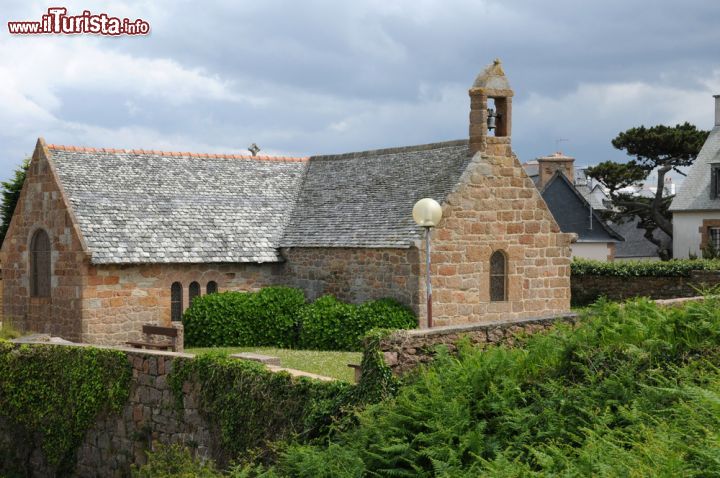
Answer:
(250, 406)
(328, 324)
(175, 461)
(54, 394)
(279, 317)
(672, 268)
(633, 391)
(266, 317)
(323, 324)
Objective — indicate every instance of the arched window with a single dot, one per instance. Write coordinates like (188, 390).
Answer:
(498, 276)
(40, 268)
(193, 291)
(211, 287)
(176, 302)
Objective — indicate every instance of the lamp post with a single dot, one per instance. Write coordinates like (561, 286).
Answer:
(427, 213)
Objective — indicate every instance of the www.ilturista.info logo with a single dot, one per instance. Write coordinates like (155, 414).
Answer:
(57, 21)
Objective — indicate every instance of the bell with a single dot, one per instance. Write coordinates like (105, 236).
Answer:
(492, 117)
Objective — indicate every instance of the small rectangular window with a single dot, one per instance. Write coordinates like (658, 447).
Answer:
(715, 181)
(715, 237)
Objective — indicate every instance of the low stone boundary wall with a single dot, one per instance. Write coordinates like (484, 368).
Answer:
(118, 440)
(586, 289)
(405, 350)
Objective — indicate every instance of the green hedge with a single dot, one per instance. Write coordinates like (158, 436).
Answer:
(266, 317)
(672, 268)
(279, 316)
(329, 324)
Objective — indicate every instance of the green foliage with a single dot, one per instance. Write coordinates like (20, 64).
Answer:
(330, 363)
(633, 391)
(659, 148)
(266, 317)
(710, 251)
(278, 316)
(672, 268)
(175, 461)
(55, 393)
(660, 145)
(251, 406)
(10, 195)
(328, 324)
(323, 324)
(8, 331)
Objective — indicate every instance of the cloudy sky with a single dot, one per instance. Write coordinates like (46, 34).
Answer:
(309, 77)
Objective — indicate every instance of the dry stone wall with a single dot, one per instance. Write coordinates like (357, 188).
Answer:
(404, 350)
(587, 288)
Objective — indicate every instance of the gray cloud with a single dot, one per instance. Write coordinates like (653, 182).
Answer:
(327, 76)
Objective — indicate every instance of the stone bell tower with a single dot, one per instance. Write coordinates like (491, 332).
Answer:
(491, 112)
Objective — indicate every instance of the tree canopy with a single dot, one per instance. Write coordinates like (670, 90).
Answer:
(10, 195)
(661, 149)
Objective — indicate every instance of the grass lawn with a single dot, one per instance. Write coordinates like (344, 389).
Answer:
(330, 364)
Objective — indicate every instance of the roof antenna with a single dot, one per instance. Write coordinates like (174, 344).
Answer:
(254, 149)
(557, 143)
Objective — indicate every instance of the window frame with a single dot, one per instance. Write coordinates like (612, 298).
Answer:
(194, 291)
(213, 289)
(40, 264)
(176, 302)
(495, 277)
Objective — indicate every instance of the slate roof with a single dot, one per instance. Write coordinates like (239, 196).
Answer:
(365, 199)
(695, 192)
(572, 211)
(635, 244)
(592, 197)
(142, 206)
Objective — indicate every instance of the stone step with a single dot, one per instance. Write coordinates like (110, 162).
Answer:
(264, 359)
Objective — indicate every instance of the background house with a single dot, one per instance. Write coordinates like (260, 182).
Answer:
(575, 203)
(104, 241)
(696, 207)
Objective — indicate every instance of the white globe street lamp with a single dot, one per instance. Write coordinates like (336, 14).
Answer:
(427, 213)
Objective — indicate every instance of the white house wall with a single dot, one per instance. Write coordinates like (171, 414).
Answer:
(686, 232)
(591, 250)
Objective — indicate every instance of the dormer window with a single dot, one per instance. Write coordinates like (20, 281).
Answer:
(715, 181)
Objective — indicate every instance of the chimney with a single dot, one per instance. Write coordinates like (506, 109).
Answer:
(491, 112)
(717, 110)
(547, 165)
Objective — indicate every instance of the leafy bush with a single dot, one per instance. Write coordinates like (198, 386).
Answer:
(175, 461)
(278, 316)
(323, 324)
(328, 324)
(672, 268)
(633, 391)
(266, 317)
(55, 393)
(251, 406)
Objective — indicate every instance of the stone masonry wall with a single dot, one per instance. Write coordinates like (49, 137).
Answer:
(404, 350)
(586, 289)
(354, 275)
(42, 204)
(119, 300)
(497, 207)
(117, 441)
